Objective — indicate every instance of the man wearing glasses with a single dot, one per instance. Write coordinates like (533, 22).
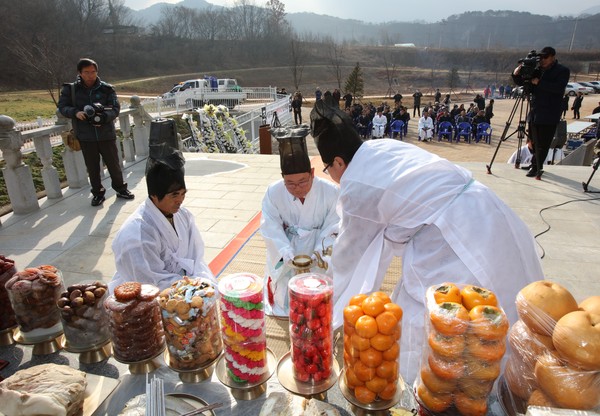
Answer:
(547, 92)
(298, 216)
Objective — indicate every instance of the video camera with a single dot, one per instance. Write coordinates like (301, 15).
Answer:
(96, 113)
(530, 66)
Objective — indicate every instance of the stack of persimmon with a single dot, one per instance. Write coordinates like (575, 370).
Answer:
(555, 348)
(372, 329)
(467, 340)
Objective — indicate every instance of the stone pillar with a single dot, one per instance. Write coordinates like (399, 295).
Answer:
(75, 168)
(128, 147)
(17, 175)
(141, 132)
(43, 148)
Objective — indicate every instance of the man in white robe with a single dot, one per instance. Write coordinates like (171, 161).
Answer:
(298, 218)
(379, 124)
(159, 243)
(399, 200)
(425, 127)
(554, 155)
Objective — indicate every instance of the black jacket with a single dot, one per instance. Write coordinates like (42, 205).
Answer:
(102, 93)
(547, 95)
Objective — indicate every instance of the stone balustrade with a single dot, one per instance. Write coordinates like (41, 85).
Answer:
(17, 175)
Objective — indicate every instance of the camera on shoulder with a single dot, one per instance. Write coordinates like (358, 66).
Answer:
(530, 66)
(95, 113)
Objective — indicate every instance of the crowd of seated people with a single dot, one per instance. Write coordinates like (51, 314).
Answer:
(375, 122)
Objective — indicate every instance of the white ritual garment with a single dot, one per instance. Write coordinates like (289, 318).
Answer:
(425, 123)
(290, 228)
(526, 156)
(397, 199)
(379, 123)
(147, 249)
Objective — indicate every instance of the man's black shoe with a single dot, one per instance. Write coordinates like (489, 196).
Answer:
(532, 172)
(125, 194)
(526, 167)
(97, 200)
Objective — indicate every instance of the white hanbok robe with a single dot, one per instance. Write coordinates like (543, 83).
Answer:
(425, 128)
(147, 249)
(290, 228)
(379, 124)
(397, 199)
(526, 156)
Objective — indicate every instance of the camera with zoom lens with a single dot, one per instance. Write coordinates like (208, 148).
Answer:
(530, 66)
(95, 113)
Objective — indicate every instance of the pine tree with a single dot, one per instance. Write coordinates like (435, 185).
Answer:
(355, 83)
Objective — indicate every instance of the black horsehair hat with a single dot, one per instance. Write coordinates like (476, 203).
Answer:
(333, 132)
(293, 154)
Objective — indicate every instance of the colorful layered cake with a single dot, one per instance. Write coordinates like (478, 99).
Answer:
(191, 320)
(243, 327)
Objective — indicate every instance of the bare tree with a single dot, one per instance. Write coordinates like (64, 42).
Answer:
(298, 56)
(390, 71)
(335, 53)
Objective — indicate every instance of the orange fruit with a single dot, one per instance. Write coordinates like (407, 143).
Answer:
(348, 330)
(351, 314)
(395, 309)
(371, 357)
(376, 384)
(351, 379)
(349, 360)
(386, 323)
(357, 299)
(366, 326)
(383, 296)
(392, 353)
(388, 370)
(364, 395)
(363, 372)
(381, 342)
(373, 305)
(389, 391)
(359, 343)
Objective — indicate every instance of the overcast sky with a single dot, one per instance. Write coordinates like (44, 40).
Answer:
(390, 10)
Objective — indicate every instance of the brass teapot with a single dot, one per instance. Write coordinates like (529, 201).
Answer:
(302, 263)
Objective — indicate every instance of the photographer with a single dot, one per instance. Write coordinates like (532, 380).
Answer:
(93, 106)
(546, 83)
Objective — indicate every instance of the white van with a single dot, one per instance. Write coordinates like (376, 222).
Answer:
(228, 84)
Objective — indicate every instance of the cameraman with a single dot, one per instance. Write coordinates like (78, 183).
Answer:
(96, 131)
(547, 87)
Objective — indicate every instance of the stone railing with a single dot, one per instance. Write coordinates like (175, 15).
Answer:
(17, 175)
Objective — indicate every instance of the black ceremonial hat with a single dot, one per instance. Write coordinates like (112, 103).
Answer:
(293, 154)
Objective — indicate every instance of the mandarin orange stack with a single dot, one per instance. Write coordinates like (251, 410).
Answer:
(372, 330)
(467, 340)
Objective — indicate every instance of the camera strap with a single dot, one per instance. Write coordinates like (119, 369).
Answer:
(73, 122)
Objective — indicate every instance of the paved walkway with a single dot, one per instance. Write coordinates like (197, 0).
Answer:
(225, 193)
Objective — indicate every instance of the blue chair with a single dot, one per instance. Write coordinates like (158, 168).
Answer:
(464, 129)
(484, 132)
(397, 128)
(445, 131)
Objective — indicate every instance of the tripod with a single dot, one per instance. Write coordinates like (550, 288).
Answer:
(594, 169)
(521, 131)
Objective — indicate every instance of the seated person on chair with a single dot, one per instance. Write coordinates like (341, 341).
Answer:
(425, 127)
(159, 243)
(379, 124)
(527, 155)
(298, 217)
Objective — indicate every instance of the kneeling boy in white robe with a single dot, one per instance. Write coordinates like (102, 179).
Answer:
(159, 243)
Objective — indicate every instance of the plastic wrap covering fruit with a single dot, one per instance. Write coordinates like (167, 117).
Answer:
(83, 316)
(466, 333)
(33, 293)
(555, 351)
(243, 327)
(191, 321)
(311, 332)
(7, 315)
(372, 330)
(135, 325)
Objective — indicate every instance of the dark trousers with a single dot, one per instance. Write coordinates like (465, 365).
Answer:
(417, 109)
(107, 149)
(297, 116)
(576, 113)
(541, 137)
